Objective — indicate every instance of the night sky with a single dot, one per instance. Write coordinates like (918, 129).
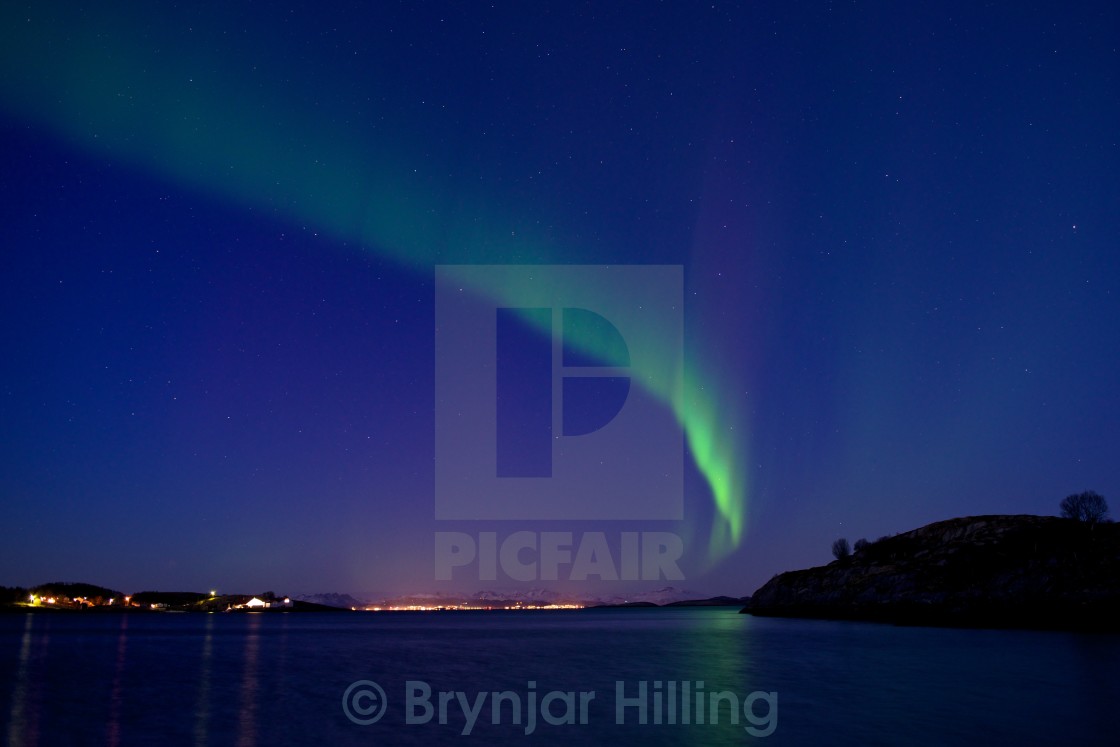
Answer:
(898, 228)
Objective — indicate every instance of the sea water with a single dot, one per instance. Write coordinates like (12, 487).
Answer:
(688, 676)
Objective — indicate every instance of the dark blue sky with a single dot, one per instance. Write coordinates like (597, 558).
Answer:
(899, 230)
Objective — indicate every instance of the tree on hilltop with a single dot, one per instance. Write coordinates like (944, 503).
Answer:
(1089, 507)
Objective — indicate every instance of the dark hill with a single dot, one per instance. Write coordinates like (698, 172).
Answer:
(74, 590)
(721, 601)
(171, 598)
(975, 571)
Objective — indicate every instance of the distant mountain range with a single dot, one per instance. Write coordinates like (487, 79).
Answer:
(666, 596)
(342, 601)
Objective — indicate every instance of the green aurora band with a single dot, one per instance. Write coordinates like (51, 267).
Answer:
(209, 121)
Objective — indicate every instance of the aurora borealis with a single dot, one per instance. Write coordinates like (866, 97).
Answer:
(897, 228)
(209, 137)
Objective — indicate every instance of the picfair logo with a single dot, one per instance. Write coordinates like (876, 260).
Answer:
(592, 390)
(552, 391)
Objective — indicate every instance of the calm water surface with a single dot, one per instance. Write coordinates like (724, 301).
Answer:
(280, 679)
